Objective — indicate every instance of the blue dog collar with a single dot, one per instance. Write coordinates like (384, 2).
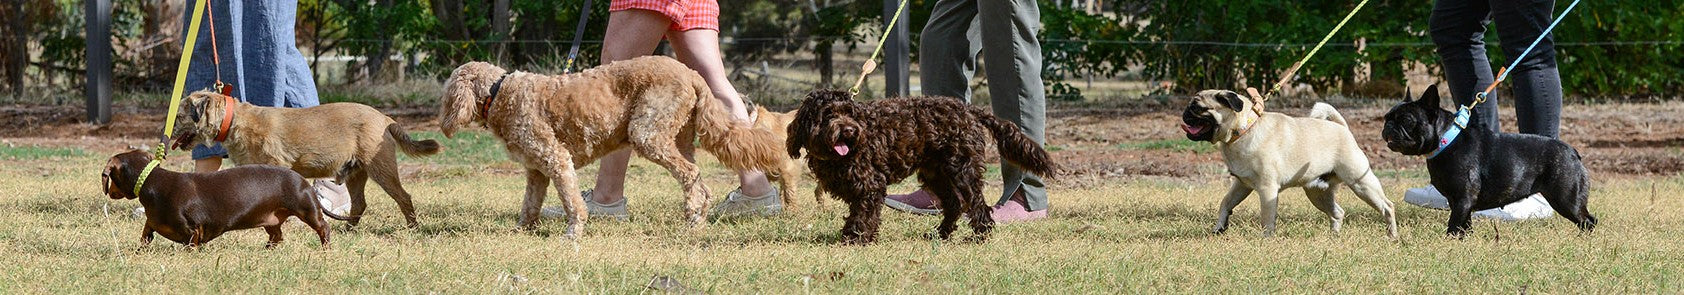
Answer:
(1461, 122)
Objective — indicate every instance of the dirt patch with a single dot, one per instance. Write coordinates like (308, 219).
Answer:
(1091, 142)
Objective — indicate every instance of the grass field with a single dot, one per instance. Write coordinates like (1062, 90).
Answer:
(1128, 235)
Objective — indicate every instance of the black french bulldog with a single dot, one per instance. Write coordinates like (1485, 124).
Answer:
(1483, 169)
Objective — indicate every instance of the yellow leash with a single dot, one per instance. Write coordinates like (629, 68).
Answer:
(175, 101)
(871, 63)
(1300, 63)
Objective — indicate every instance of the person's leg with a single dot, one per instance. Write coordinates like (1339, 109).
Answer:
(699, 49)
(1013, 56)
(1458, 29)
(947, 59)
(947, 49)
(279, 75)
(635, 32)
(1537, 83)
(204, 70)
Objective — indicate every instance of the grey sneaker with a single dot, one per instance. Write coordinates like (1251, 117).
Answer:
(737, 205)
(617, 210)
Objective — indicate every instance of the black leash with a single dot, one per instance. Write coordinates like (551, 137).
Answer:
(578, 36)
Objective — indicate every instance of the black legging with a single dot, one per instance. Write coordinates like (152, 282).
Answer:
(1458, 28)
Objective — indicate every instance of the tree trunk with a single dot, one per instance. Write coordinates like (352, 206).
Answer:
(822, 59)
(16, 48)
(500, 28)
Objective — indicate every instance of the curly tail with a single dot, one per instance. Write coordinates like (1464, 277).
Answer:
(411, 146)
(1326, 112)
(1017, 148)
(738, 146)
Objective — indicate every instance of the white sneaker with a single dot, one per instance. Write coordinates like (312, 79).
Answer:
(333, 197)
(1532, 207)
(616, 211)
(736, 204)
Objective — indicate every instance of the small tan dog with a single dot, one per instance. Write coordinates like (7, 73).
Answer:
(1267, 152)
(790, 175)
(348, 141)
(654, 105)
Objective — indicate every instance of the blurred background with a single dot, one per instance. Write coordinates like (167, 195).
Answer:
(396, 52)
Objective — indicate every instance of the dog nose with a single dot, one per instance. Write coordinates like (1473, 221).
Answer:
(848, 130)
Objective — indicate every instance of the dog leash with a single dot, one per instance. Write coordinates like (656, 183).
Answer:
(160, 152)
(578, 37)
(871, 62)
(1465, 113)
(1300, 64)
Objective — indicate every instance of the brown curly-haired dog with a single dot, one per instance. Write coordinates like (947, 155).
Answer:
(653, 105)
(857, 149)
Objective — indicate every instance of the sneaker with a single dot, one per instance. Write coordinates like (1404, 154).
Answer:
(616, 210)
(918, 202)
(1015, 211)
(333, 197)
(736, 204)
(1532, 207)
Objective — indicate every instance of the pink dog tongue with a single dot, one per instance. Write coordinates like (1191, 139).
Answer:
(841, 149)
(1190, 129)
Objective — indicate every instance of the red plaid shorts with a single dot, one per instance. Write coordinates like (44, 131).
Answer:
(685, 14)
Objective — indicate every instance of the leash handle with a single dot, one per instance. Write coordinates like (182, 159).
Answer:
(871, 63)
(578, 37)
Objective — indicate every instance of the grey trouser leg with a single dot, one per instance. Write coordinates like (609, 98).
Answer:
(1003, 31)
(1458, 28)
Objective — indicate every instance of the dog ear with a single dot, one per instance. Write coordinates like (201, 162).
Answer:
(1430, 97)
(1231, 100)
(457, 108)
(114, 168)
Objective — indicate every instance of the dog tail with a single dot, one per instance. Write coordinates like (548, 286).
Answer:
(411, 146)
(1326, 112)
(738, 146)
(1017, 148)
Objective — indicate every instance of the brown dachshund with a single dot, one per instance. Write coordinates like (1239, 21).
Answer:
(194, 208)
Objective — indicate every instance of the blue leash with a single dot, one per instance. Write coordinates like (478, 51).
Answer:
(1464, 113)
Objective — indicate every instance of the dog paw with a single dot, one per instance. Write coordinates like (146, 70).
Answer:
(1218, 230)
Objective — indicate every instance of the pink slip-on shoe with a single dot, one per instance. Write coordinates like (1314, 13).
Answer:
(1015, 211)
(918, 202)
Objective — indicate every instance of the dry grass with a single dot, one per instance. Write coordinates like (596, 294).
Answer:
(58, 233)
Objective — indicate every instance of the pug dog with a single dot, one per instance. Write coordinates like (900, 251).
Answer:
(1479, 168)
(1267, 152)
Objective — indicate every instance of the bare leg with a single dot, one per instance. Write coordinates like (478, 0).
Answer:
(636, 32)
(699, 49)
(207, 165)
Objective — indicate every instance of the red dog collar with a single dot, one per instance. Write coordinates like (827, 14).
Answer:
(228, 103)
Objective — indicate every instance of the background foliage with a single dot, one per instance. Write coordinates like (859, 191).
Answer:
(1617, 49)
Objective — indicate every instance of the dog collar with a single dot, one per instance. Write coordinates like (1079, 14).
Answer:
(143, 173)
(485, 106)
(1250, 122)
(228, 103)
(1461, 122)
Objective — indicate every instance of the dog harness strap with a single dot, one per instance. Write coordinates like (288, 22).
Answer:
(143, 173)
(227, 118)
(485, 107)
(1461, 122)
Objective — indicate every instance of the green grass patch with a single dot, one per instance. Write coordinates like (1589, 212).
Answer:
(470, 147)
(1127, 235)
(1177, 145)
(37, 153)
